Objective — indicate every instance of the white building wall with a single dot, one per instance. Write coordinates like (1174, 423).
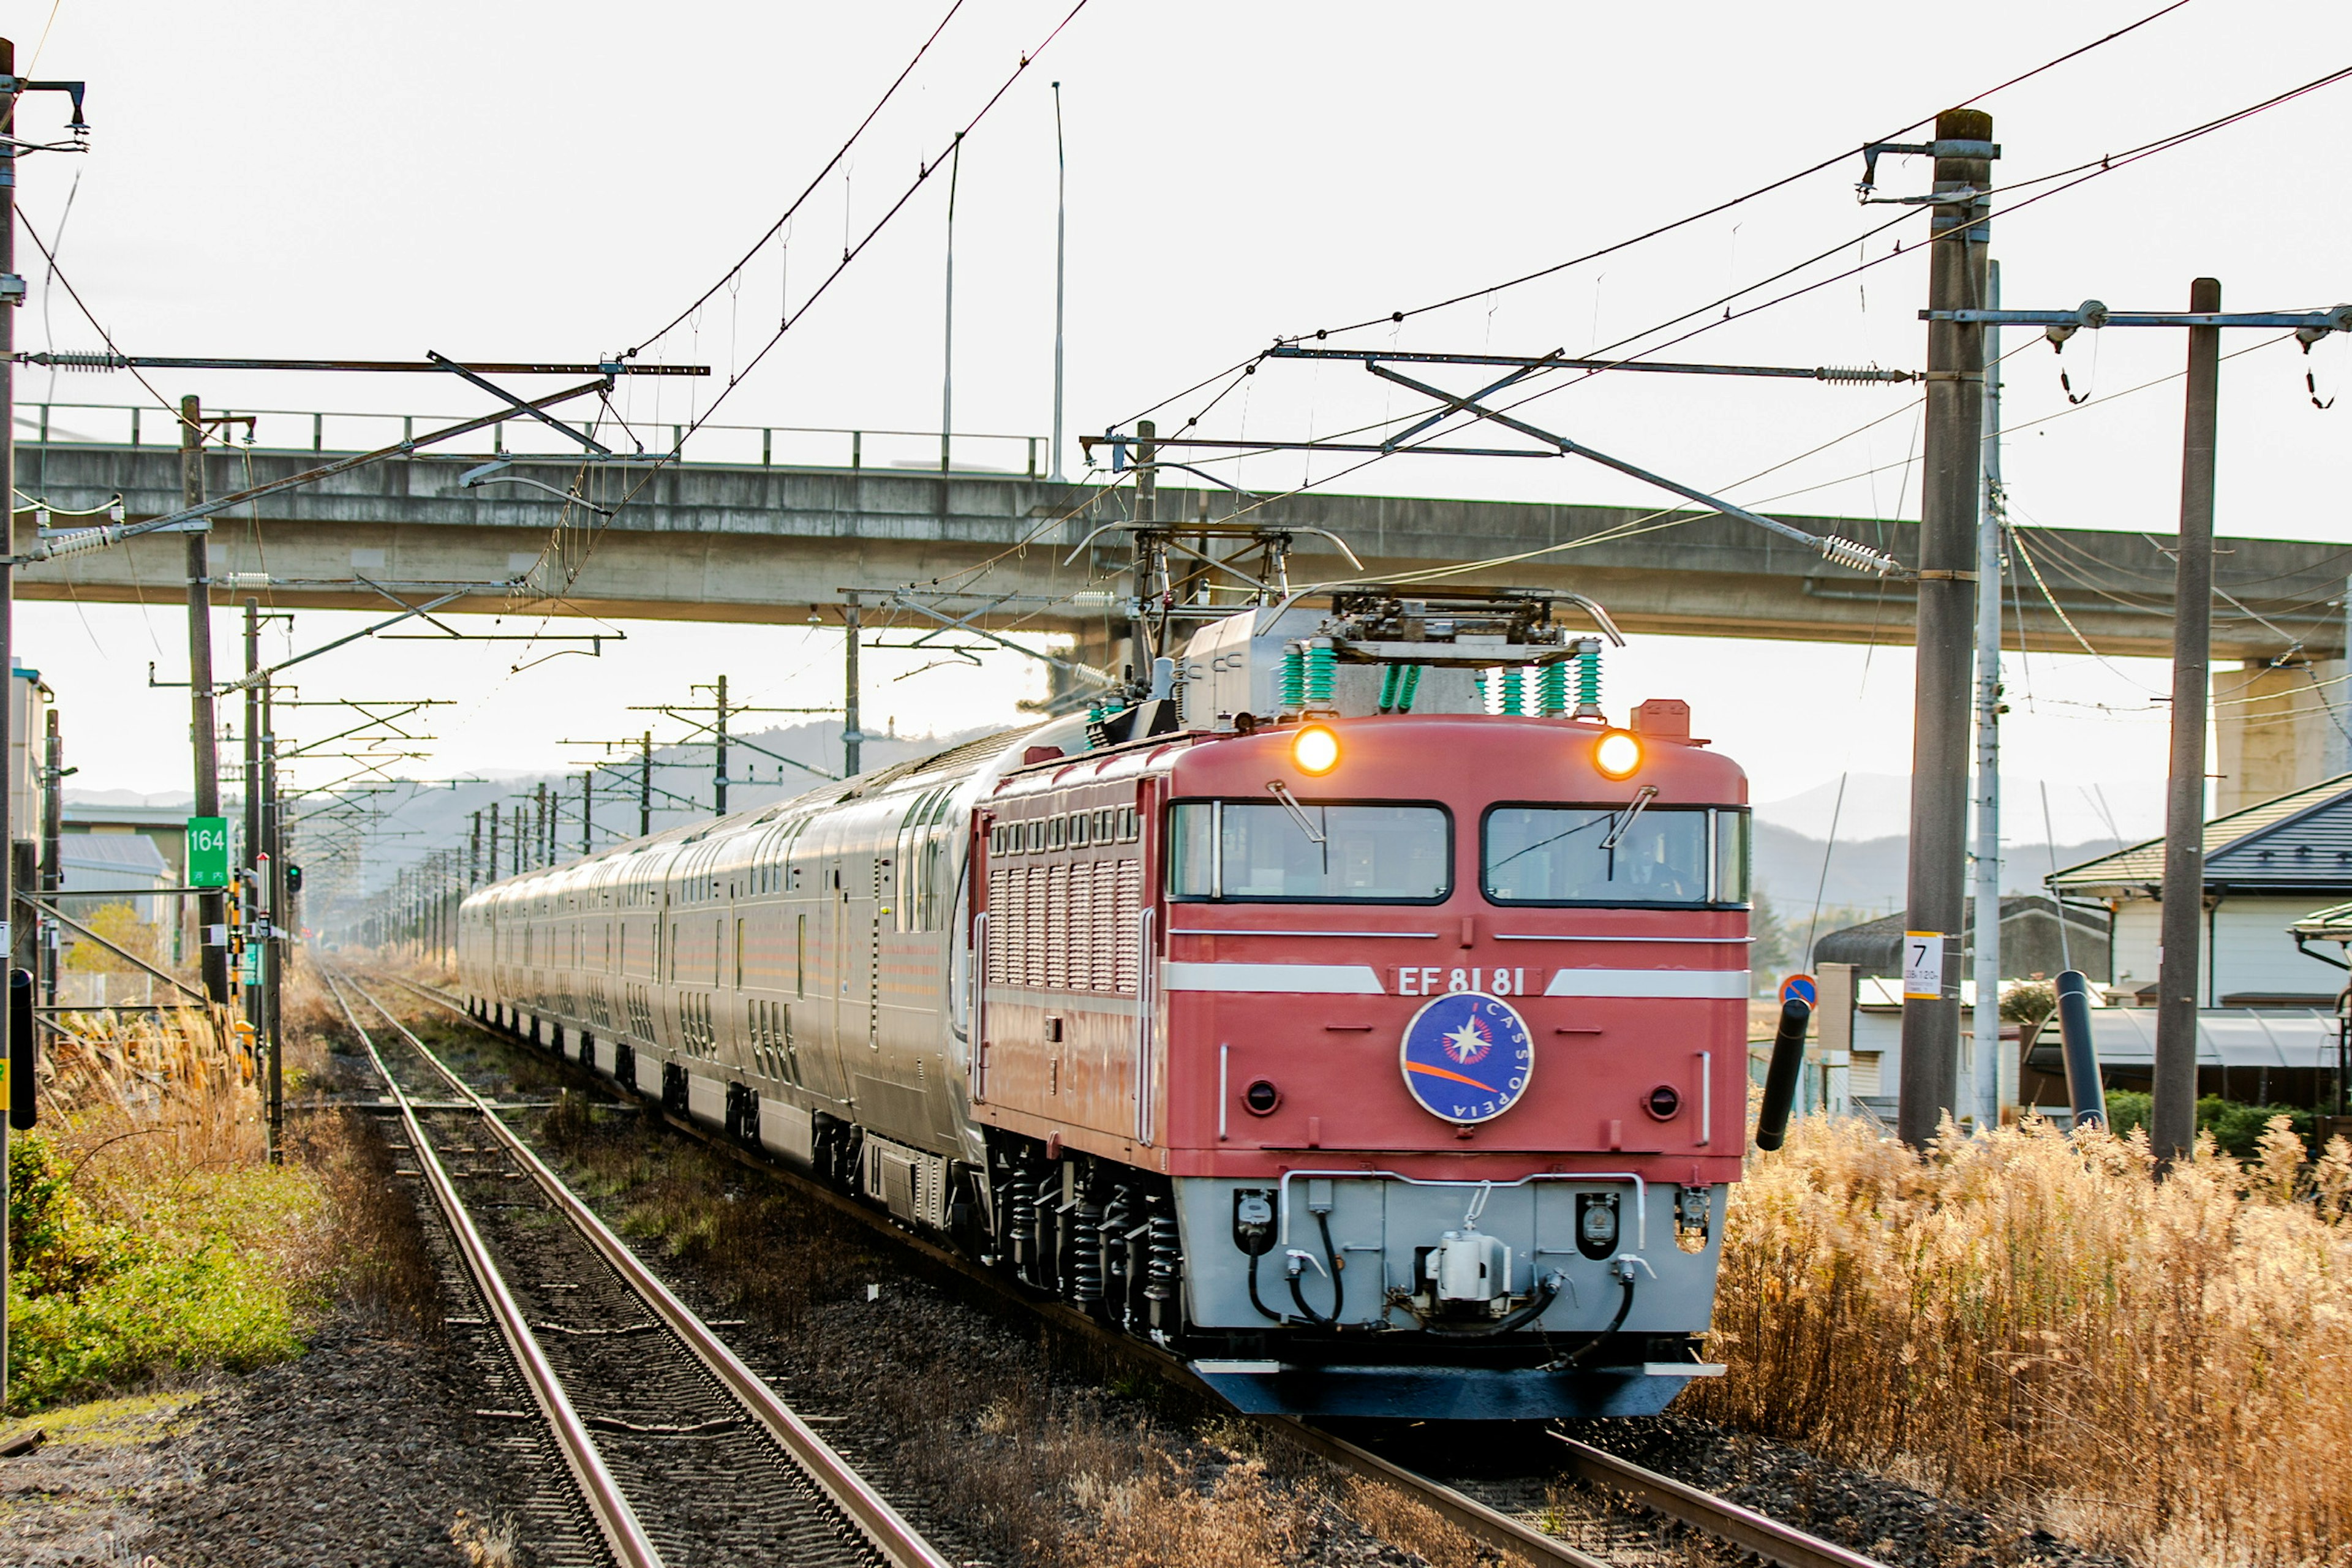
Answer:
(2138, 938)
(2245, 935)
(2252, 951)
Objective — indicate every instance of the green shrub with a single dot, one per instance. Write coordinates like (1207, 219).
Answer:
(2237, 1127)
(211, 1273)
(2127, 1109)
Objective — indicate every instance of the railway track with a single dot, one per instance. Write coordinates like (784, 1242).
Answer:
(676, 1450)
(1627, 1543)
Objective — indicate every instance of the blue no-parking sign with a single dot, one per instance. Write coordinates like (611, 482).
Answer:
(1800, 988)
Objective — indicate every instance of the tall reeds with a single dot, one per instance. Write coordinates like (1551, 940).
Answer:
(2154, 1367)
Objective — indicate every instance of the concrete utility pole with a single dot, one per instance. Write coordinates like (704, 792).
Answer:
(2172, 1118)
(473, 854)
(645, 785)
(1988, 1085)
(203, 726)
(493, 841)
(540, 840)
(1949, 500)
(587, 810)
(852, 738)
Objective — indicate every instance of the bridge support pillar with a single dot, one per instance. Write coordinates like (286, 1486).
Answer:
(2278, 729)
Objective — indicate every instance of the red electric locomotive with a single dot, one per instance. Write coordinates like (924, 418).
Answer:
(1364, 1018)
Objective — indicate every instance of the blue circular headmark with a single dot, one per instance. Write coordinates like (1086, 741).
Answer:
(1467, 1056)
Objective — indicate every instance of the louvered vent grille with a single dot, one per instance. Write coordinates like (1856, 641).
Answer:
(1004, 920)
(1130, 884)
(1066, 927)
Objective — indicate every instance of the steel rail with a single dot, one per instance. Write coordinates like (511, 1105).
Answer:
(617, 1520)
(1726, 1521)
(1770, 1540)
(1491, 1525)
(882, 1526)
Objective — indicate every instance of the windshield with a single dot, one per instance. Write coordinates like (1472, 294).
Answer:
(1243, 850)
(1629, 854)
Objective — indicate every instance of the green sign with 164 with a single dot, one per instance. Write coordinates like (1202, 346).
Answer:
(208, 852)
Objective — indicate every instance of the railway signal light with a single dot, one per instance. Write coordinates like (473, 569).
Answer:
(1316, 751)
(1617, 755)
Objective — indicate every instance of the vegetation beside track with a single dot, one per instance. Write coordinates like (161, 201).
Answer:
(2148, 1366)
(152, 1240)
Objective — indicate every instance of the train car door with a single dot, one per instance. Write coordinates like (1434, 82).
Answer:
(813, 955)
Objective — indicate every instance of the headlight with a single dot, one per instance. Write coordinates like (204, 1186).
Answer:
(1316, 751)
(1617, 754)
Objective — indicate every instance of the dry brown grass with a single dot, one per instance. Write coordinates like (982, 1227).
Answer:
(2155, 1368)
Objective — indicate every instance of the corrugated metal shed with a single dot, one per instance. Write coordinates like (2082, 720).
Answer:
(2238, 1037)
(2297, 843)
(102, 862)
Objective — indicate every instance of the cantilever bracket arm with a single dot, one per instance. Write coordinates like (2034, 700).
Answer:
(541, 414)
(1084, 671)
(1844, 552)
(259, 676)
(74, 542)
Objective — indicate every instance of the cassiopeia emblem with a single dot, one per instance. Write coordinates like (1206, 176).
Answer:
(1467, 1056)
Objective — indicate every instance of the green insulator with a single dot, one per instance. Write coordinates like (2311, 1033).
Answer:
(1483, 678)
(1515, 690)
(1391, 676)
(1294, 677)
(1407, 687)
(1551, 688)
(1588, 678)
(1322, 672)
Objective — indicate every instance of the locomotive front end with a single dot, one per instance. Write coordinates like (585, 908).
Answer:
(1456, 1014)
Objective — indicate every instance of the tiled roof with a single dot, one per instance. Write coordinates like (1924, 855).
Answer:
(2303, 833)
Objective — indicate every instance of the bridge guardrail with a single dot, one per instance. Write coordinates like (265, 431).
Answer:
(308, 431)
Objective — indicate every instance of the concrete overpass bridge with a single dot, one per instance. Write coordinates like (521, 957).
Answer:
(732, 533)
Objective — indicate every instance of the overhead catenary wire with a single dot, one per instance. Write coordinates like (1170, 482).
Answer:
(849, 255)
(1699, 216)
(831, 164)
(2081, 174)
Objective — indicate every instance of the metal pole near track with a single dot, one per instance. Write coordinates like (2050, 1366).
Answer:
(1985, 1089)
(203, 722)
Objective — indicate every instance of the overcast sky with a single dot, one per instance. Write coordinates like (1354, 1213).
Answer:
(544, 181)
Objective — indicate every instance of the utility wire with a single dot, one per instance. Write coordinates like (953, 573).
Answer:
(1666, 229)
(830, 164)
(849, 255)
(2104, 166)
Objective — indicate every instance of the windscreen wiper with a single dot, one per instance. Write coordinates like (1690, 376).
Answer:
(1641, 797)
(1281, 792)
